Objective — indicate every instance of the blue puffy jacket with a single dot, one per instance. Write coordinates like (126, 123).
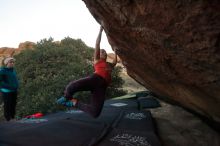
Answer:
(8, 80)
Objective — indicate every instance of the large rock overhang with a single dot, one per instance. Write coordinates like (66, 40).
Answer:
(170, 47)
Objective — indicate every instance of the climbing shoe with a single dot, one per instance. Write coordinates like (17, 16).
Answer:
(70, 103)
(62, 100)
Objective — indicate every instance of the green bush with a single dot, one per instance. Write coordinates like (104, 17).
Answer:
(44, 72)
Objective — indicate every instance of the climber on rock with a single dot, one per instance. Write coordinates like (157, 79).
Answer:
(97, 83)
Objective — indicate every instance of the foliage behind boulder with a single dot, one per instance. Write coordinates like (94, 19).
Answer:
(45, 71)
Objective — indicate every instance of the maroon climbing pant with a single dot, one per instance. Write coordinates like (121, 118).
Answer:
(94, 83)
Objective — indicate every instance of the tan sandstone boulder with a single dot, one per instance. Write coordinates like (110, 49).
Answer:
(170, 47)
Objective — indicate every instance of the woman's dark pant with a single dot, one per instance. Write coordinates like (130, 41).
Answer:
(9, 104)
(94, 83)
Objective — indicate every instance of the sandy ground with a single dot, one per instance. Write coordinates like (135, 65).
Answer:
(177, 127)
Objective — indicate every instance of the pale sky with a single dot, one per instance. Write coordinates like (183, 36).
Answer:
(33, 20)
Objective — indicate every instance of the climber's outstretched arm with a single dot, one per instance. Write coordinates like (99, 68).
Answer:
(97, 45)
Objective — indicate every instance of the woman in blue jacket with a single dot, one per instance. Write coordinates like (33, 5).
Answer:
(8, 87)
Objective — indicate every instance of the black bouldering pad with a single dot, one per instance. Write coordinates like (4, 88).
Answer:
(136, 120)
(63, 132)
(122, 137)
(121, 103)
(148, 102)
(76, 128)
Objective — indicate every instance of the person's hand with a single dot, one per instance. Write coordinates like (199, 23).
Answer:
(102, 23)
(114, 48)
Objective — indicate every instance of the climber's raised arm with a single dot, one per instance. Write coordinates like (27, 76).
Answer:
(97, 46)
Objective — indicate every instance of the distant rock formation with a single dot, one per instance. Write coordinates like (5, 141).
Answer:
(25, 45)
(9, 52)
(170, 47)
(6, 52)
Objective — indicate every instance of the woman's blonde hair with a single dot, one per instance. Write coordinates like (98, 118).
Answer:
(6, 60)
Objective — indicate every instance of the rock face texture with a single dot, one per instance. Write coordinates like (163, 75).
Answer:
(170, 47)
